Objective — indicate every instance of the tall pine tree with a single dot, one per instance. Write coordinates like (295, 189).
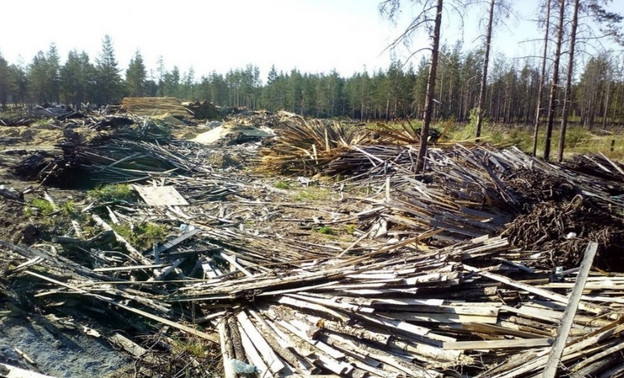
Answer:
(108, 80)
(136, 74)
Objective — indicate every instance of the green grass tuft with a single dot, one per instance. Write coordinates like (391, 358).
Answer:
(114, 192)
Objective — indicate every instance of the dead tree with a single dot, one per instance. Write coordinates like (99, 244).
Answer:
(390, 9)
(568, 89)
(538, 108)
(486, 60)
(554, 83)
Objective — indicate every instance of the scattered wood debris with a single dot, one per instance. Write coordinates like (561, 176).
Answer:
(472, 269)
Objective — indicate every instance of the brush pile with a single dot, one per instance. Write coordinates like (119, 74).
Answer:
(306, 147)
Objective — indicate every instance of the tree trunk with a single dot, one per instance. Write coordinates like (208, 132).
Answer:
(486, 61)
(616, 101)
(568, 89)
(424, 133)
(552, 101)
(605, 113)
(540, 89)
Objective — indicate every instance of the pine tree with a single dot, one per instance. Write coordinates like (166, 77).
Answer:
(75, 78)
(53, 86)
(38, 78)
(4, 82)
(108, 80)
(136, 75)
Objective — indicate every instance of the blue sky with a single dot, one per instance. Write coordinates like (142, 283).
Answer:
(216, 35)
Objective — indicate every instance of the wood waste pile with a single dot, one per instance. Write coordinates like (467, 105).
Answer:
(154, 106)
(491, 263)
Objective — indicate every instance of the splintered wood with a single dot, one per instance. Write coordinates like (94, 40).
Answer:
(401, 313)
(427, 284)
(154, 106)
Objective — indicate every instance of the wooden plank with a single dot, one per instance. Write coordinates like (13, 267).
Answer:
(128, 345)
(132, 267)
(9, 371)
(409, 328)
(226, 347)
(160, 195)
(598, 356)
(535, 290)
(550, 370)
(251, 351)
(273, 362)
(498, 344)
(172, 243)
(433, 317)
(235, 264)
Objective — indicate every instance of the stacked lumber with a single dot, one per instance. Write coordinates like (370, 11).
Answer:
(154, 106)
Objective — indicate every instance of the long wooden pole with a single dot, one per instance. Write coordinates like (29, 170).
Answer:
(550, 371)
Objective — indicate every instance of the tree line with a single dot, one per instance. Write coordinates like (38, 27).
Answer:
(562, 24)
(398, 92)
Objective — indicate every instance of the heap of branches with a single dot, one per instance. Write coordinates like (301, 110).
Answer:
(308, 146)
(563, 229)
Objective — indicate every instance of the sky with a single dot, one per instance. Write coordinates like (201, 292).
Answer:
(314, 36)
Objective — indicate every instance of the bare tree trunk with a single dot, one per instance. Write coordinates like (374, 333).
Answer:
(538, 107)
(568, 89)
(486, 61)
(616, 102)
(605, 112)
(552, 101)
(433, 67)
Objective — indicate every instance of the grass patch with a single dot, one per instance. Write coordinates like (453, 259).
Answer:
(194, 347)
(282, 185)
(143, 236)
(42, 206)
(68, 208)
(326, 230)
(313, 194)
(579, 140)
(112, 193)
(350, 228)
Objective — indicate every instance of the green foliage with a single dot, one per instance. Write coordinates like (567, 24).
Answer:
(114, 192)
(44, 122)
(521, 138)
(326, 230)
(350, 228)
(109, 84)
(193, 347)
(394, 93)
(142, 236)
(576, 136)
(136, 74)
(43, 206)
(68, 208)
(282, 185)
